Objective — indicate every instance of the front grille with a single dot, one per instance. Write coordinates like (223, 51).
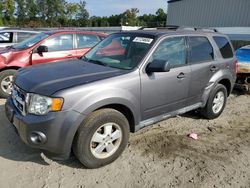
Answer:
(19, 97)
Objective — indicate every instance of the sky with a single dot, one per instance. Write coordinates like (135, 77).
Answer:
(109, 7)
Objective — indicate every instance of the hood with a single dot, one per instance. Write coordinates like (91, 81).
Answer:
(7, 50)
(46, 79)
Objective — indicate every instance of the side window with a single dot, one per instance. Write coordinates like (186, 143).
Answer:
(86, 41)
(200, 50)
(224, 46)
(172, 50)
(59, 43)
(114, 47)
(6, 37)
(23, 36)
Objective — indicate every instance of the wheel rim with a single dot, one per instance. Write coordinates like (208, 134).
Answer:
(6, 84)
(218, 102)
(106, 140)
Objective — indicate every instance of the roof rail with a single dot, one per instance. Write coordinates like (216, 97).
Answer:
(168, 27)
(22, 29)
(198, 29)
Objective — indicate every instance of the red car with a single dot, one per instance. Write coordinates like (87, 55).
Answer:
(44, 47)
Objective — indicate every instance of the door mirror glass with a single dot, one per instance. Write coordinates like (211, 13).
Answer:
(158, 66)
(42, 49)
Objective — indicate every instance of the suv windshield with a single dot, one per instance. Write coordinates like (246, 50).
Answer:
(30, 41)
(123, 51)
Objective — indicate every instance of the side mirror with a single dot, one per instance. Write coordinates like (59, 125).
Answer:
(42, 49)
(158, 66)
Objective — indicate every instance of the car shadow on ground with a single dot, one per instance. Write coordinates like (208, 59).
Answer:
(12, 147)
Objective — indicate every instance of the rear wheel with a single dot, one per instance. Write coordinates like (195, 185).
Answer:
(216, 102)
(6, 79)
(101, 138)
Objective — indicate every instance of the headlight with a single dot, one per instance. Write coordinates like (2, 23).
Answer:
(41, 105)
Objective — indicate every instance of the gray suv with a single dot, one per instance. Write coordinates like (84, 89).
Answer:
(128, 81)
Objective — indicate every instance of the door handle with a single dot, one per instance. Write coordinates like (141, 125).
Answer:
(70, 55)
(181, 76)
(213, 68)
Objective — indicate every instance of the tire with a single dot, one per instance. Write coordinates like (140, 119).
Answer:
(85, 147)
(6, 77)
(208, 111)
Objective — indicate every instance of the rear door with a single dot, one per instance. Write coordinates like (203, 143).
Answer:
(60, 47)
(163, 92)
(226, 59)
(84, 42)
(200, 58)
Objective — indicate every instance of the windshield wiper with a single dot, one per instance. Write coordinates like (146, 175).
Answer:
(10, 47)
(97, 62)
(84, 58)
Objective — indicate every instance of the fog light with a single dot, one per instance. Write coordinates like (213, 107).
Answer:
(38, 138)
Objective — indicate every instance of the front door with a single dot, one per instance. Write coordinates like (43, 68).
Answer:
(60, 47)
(166, 91)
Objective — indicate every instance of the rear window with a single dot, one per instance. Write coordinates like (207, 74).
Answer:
(200, 50)
(6, 37)
(224, 46)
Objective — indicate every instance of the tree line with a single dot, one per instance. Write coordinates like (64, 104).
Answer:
(61, 13)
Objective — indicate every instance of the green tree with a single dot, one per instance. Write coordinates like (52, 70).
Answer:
(129, 17)
(1, 12)
(31, 8)
(72, 10)
(8, 12)
(20, 12)
(82, 14)
(161, 17)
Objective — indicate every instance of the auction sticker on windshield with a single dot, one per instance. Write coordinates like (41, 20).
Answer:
(143, 40)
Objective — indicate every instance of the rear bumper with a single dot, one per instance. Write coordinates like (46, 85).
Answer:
(59, 128)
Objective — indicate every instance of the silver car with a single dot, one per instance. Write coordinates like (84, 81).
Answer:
(126, 82)
(9, 37)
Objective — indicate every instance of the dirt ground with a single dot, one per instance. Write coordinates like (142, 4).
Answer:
(158, 156)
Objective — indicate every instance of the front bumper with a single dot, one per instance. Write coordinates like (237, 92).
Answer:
(58, 127)
(2, 65)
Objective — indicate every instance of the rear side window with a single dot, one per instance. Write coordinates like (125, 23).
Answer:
(6, 37)
(23, 36)
(86, 41)
(224, 46)
(200, 50)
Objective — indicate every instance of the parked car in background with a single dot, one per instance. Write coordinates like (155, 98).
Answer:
(240, 38)
(243, 75)
(10, 37)
(47, 46)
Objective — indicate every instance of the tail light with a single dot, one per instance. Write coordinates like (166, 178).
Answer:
(235, 66)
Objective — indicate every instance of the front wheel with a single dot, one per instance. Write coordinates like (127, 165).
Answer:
(6, 79)
(101, 138)
(216, 102)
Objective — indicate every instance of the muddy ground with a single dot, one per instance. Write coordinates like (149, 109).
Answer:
(158, 156)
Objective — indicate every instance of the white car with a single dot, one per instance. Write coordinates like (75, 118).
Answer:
(9, 37)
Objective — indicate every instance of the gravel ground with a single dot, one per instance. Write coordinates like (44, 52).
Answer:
(159, 156)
